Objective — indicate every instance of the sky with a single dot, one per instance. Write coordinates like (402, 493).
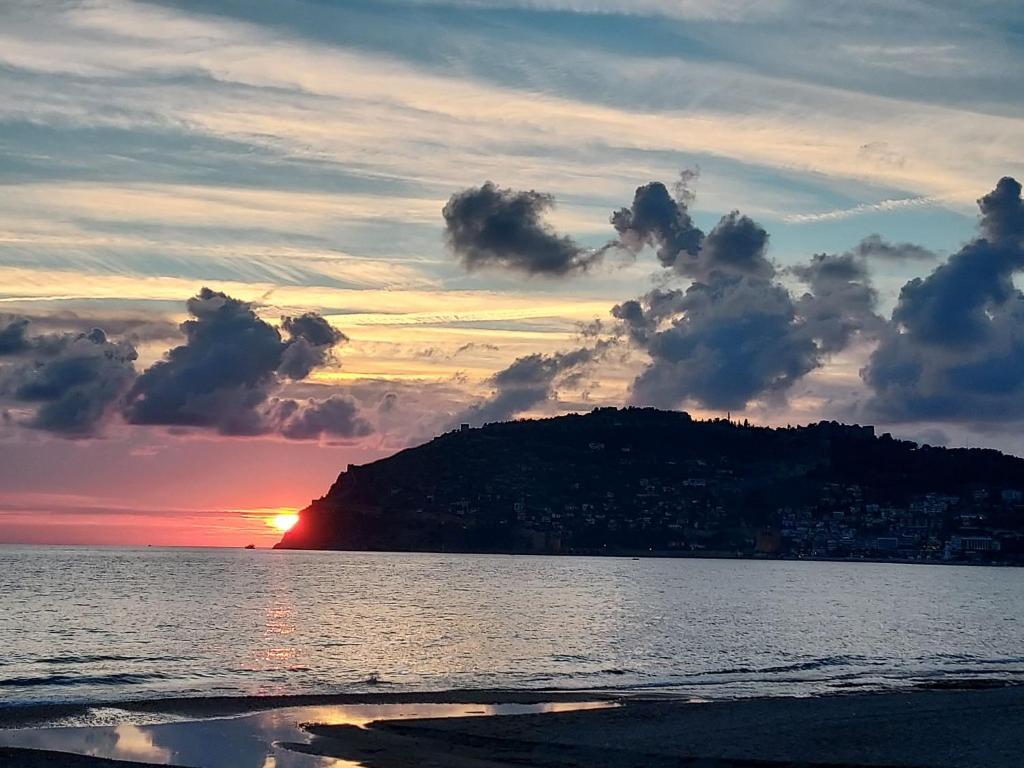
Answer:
(245, 243)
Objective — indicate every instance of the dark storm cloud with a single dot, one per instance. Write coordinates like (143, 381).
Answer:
(658, 220)
(226, 376)
(725, 344)
(954, 350)
(311, 340)
(492, 227)
(876, 247)
(735, 338)
(1002, 212)
(229, 366)
(641, 317)
(72, 380)
(950, 307)
(841, 302)
(530, 381)
(736, 334)
(733, 334)
(635, 319)
(736, 246)
(13, 335)
(135, 328)
(313, 329)
(336, 417)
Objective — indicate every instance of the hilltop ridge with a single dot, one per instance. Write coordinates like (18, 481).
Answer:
(646, 481)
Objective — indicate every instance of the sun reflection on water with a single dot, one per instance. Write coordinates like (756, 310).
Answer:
(248, 741)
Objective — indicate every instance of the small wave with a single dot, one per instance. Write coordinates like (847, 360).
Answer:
(570, 658)
(70, 680)
(965, 684)
(101, 658)
(1007, 661)
(800, 666)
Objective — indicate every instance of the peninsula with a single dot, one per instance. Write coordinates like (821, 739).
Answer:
(642, 481)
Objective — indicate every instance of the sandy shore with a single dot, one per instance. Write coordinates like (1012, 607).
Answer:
(926, 729)
(933, 729)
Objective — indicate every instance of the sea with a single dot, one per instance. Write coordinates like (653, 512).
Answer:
(89, 625)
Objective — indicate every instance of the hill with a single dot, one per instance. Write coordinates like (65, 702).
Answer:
(645, 481)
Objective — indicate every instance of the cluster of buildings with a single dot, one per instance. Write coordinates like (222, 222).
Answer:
(931, 526)
(703, 509)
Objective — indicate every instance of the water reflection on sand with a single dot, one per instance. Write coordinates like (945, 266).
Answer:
(248, 741)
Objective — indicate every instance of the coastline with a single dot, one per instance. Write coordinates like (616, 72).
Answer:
(201, 707)
(919, 729)
(673, 555)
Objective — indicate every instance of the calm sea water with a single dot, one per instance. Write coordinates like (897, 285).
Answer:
(88, 625)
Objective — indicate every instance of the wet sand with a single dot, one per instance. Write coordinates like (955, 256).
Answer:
(39, 715)
(34, 758)
(925, 729)
(933, 729)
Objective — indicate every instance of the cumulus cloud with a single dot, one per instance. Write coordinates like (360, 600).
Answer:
(876, 247)
(124, 325)
(72, 381)
(641, 317)
(725, 344)
(231, 363)
(1002, 212)
(658, 220)
(227, 376)
(336, 417)
(488, 226)
(841, 303)
(13, 335)
(736, 334)
(954, 350)
(736, 246)
(311, 339)
(530, 381)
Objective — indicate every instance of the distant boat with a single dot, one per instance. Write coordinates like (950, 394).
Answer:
(250, 546)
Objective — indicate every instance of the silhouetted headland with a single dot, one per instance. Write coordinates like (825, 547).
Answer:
(647, 482)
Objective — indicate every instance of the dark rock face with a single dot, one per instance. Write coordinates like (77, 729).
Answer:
(641, 480)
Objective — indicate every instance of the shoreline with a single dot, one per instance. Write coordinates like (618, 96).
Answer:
(924, 729)
(45, 714)
(670, 555)
(906, 729)
(41, 715)
(610, 555)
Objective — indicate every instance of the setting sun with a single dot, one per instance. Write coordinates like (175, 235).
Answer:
(284, 521)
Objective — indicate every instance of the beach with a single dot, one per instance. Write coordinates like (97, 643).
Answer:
(938, 729)
(923, 729)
